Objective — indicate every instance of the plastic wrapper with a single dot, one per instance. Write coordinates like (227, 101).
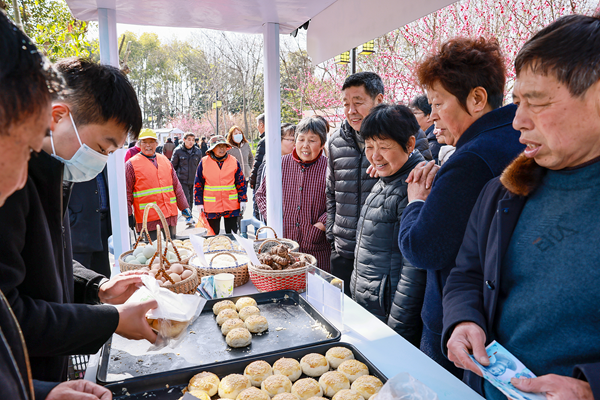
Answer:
(174, 314)
(404, 387)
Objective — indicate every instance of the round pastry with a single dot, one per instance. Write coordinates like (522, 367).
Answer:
(248, 311)
(318, 398)
(225, 315)
(353, 369)
(230, 324)
(206, 381)
(337, 355)
(286, 396)
(314, 364)
(257, 372)
(199, 394)
(169, 328)
(288, 367)
(367, 386)
(232, 385)
(239, 337)
(332, 382)
(257, 323)
(347, 394)
(244, 302)
(306, 388)
(276, 384)
(221, 305)
(253, 394)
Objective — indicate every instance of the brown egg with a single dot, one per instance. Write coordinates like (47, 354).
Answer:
(176, 277)
(186, 274)
(176, 268)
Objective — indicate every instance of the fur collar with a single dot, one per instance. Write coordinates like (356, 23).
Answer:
(522, 176)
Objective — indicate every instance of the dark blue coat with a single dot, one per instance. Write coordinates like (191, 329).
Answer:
(471, 291)
(431, 232)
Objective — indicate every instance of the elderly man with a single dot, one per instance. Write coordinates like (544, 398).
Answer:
(527, 272)
(151, 179)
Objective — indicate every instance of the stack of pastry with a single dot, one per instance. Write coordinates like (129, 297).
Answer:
(238, 321)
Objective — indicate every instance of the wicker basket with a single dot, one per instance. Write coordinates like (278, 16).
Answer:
(293, 246)
(125, 266)
(240, 271)
(269, 281)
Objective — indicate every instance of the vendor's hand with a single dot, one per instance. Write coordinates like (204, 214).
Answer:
(468, 338)
(420, 180)
(79, 389)
(319, 225)
(372, 172)
(118, 289)
(132, 321)
(242, 207)
(556, 387)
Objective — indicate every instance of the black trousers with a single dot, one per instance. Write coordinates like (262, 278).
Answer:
(342, 268)
(172, 232)
(231, 224)
(189, 194)
(98, 260)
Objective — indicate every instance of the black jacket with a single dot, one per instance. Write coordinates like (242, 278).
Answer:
(203, 148)
(383, 281)
(260, 155)
(434, 146)
(348, 186)
(185, 162)
(423, 145)
(84, 218)
(40, 279)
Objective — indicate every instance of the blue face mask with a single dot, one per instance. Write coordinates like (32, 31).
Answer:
(85, 165)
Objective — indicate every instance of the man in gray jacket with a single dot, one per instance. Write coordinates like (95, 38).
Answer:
(348, 183)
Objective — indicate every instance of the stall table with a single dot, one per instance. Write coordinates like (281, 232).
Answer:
(387, 350)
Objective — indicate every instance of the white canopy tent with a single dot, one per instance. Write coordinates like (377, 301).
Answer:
(336, 26)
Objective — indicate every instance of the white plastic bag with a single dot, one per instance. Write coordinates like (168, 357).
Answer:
(175, 312)
(404, 387)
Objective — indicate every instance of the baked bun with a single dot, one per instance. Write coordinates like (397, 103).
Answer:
(347, 394)
(332, 382)
(239, 337)
(230, 324)
(353, 369)
(225, 315)
(314, 364)
(287, 367)
(276, 384)
(318, 398)
(337, 355)
(199, 394)
(168, 328)
(367, 386)
(306, 388)
(244, 302)
(257, 323)
(253, 394)
(286, 396)
(206, 381)
(232, 385)
(221, 305)
(257, 372)
(248, 311)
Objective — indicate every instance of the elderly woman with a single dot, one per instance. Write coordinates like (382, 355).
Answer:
(303, 174)
(240, 149)
(383, 281)
(465, 86)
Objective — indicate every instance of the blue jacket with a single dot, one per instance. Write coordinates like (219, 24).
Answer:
(471, 291)
(431, 232)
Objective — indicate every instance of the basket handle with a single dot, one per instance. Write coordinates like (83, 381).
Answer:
(161, 258)
(226, 254)
(267, 241)
(266, 227)
(210, 240)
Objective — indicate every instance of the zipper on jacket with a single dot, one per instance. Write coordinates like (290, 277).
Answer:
(357, 246)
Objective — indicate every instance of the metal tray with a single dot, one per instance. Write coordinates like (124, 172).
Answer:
(168, 385)
(293, 323)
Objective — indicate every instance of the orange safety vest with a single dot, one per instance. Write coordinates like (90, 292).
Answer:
(153, 185)
(220, 193)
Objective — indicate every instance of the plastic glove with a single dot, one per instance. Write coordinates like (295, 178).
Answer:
(242, 207)
(131, 221)
(187, 213)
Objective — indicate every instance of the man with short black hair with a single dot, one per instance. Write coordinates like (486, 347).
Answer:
(185, 160)
(258, 160)
(348, 183)
(422, 110)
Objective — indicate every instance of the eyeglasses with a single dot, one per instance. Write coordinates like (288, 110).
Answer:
(288, 139)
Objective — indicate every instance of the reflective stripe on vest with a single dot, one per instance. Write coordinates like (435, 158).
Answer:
(220, 192)
(166, 189)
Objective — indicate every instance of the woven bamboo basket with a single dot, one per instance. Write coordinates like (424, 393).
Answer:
(293, 279)
(240, 271)
(293, 246)
(186, 286)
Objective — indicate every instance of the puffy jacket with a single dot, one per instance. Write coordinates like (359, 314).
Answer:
(383, 281)
(348, 186)
(185, 161)
(422, 145)
(260, 154)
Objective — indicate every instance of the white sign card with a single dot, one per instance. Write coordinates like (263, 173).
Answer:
(198, 244)
(248, 246)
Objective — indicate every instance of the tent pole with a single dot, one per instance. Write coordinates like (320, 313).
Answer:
(273, 127)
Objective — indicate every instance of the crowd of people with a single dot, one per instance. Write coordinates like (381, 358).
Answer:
(455, 219)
